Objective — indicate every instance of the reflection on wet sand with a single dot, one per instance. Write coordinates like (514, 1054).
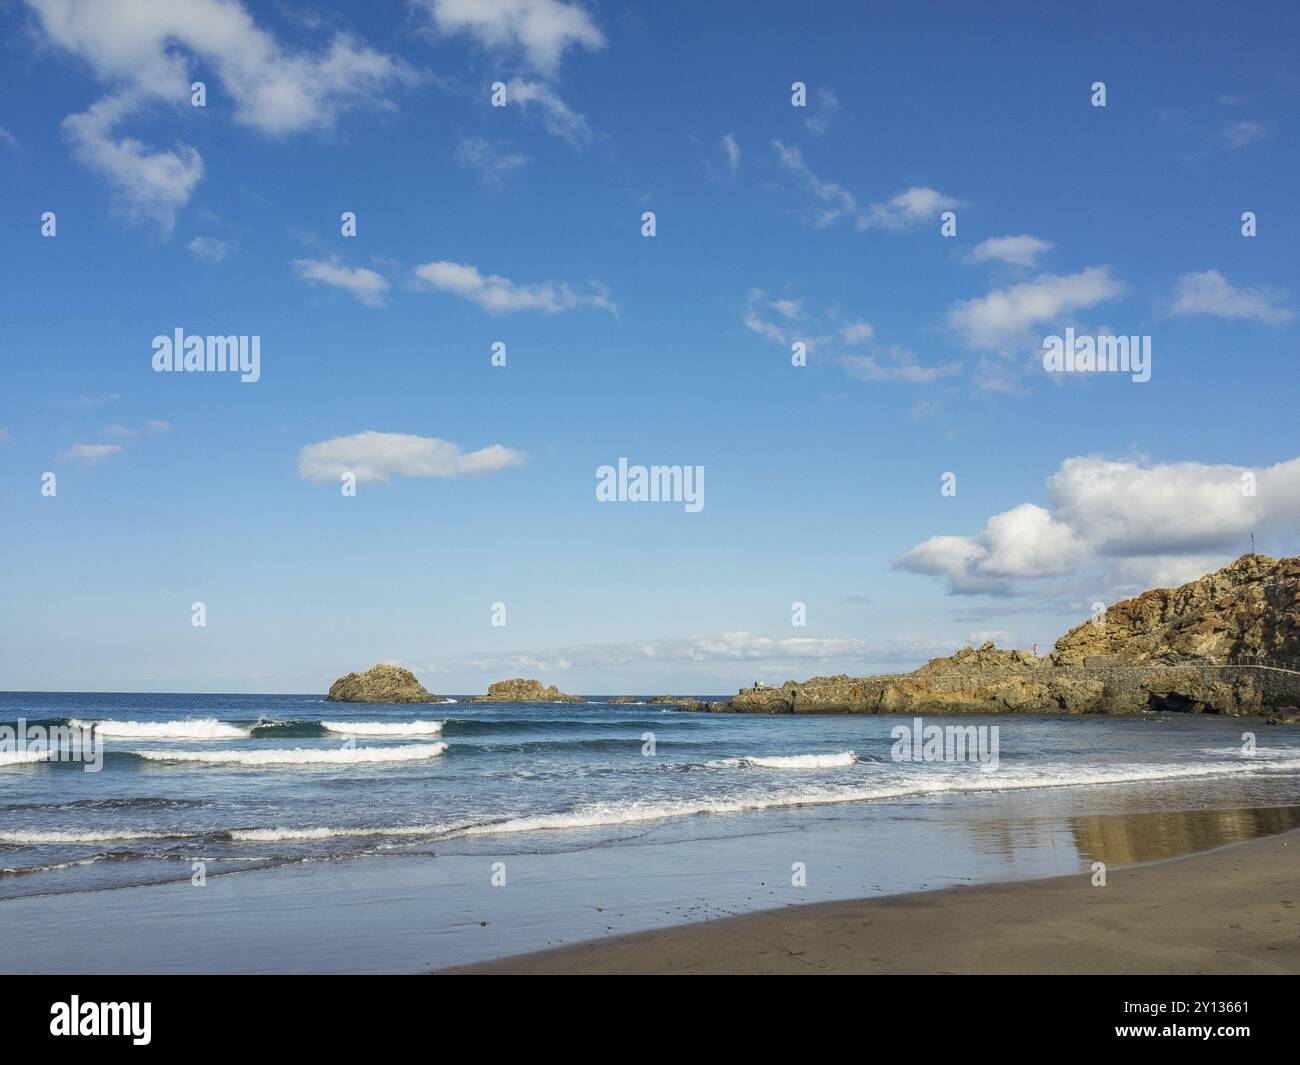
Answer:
(1124, 839)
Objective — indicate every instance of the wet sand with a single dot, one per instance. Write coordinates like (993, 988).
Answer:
(1232, 910)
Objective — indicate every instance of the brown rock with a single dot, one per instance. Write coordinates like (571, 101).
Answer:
(519, 690)
(382, 684)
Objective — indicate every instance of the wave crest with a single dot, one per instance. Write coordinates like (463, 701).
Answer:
(303, 756)
(384, 728)
(202, 728)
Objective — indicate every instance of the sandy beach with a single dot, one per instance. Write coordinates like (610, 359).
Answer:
(1232, 910)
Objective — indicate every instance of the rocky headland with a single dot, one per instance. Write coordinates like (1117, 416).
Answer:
(519, 690)
(382, 684)
(1227, 643)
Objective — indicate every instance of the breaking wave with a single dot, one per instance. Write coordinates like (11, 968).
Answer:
(384, 728)
(204, 728)
(789, 761)
(303, 756)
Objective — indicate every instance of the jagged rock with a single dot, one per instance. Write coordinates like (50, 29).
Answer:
(1249, 609)
(519, 690)
(382, 684)
(1289, 715)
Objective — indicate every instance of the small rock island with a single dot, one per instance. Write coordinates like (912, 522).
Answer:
(382, 684)
(519, 690)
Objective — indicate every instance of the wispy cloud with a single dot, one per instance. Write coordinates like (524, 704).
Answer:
(1209, 292)
(373, 456)
(542, 30)
(825, 104)
(830, 338)
(557, 117)
(500, 295)
(90, 454)
(731, 151)
(146, 53)
(1021, 250)
(1241, 134)
(1003, 316)
(835, 203)
(493, 161)
(366, 286)
(209, 249)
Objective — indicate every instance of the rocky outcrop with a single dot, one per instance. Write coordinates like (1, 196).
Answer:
(1249, 609)
(382, 684)
(519, 690)
(1178, 649)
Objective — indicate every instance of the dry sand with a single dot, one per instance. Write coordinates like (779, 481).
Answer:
(1231, 910)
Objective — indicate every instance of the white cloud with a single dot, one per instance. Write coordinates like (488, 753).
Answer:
(150, 52)
(8, 138)
(896, 363)
(148, 185)
(1025, 541)
(1209, 292)
(1240, 134)
(1022, 250)
(373, 456)
(366, 286)
(209, 249)
(500, 295)
(907, 209)
(493, 161)
(827, 340)
(275, 90)
(724, 647)
(826, 103)
(542, 29)
(857, 333)
(559, 119)
(1161, 523)
(836, 203)
(1003, 316)
(90, 454)
(732, 151)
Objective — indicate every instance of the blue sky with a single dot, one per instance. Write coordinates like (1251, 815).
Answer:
(522, 224)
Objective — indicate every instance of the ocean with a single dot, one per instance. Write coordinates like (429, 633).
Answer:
(422, 813)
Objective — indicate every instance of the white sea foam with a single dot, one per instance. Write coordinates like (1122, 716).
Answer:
(303, 756)
(914, 784)
(790, 761)
(203, 728)
(23, 757)
(61, 836)
(282, 835)
(385, 728)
